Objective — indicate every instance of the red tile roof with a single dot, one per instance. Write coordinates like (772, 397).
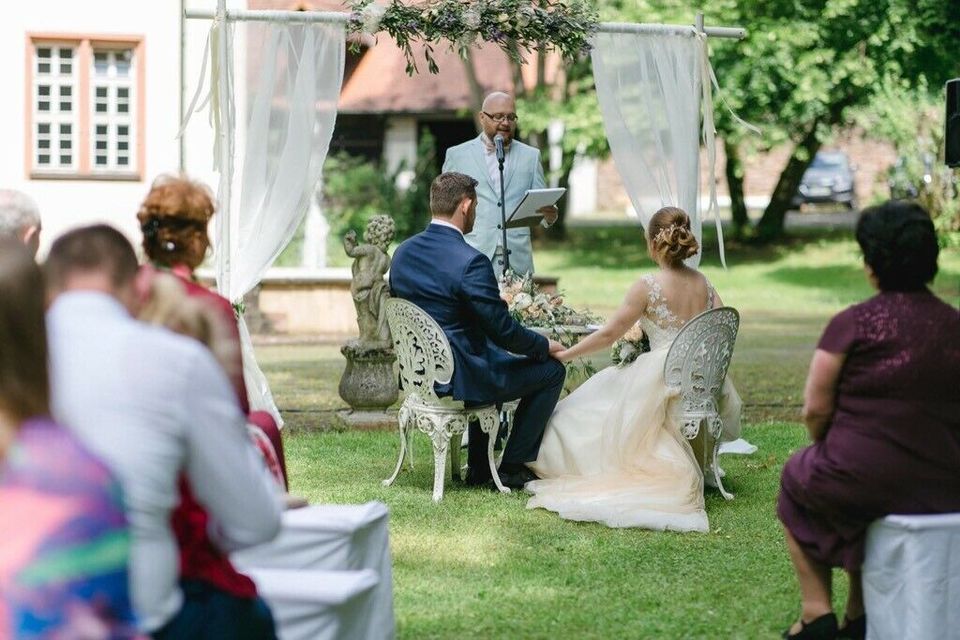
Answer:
(380, 83)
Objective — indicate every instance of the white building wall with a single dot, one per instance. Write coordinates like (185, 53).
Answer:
(67, 203)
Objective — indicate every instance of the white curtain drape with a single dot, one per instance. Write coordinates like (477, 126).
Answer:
(270, 164)
(650, 88)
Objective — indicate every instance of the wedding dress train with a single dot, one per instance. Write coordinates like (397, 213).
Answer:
(611, 454)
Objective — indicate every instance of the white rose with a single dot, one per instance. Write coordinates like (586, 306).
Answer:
(371, 16)
(471, 19)
(522, 301)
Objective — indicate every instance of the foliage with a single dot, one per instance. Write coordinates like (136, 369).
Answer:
(632, 344)
(806, 64)
(564, 25)
(913, 120)
(355, 189)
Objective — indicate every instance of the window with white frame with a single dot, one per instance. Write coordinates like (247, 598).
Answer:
(85, 108)
(112, 114)
(55, 113)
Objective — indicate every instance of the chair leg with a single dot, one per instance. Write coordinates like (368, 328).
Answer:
(489, 424)
(441, 442)
(716, 471)
(402, 423)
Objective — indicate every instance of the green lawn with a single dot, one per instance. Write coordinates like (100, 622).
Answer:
(479, 565)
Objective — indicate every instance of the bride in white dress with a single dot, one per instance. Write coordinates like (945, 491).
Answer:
(610, 453)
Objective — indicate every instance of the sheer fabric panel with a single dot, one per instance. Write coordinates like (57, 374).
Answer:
(649, 93)
(283, 86)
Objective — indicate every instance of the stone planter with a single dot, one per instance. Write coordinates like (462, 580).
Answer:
(369, 386)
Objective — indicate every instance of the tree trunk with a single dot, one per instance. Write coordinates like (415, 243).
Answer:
(734, 173)
(476, 91)
(771, 224)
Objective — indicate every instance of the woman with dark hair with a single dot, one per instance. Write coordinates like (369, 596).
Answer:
(65, 542)
(882, 405)
(611, 453)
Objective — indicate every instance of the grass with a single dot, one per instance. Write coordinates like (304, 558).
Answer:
(479, 565)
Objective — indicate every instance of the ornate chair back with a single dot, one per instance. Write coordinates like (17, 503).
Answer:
(422, 349)
(424, 355)
(696, 366)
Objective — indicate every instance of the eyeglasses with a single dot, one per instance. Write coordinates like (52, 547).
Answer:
(500, 117)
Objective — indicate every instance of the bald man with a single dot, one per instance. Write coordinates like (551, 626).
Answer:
(19, 218)
(521, 171)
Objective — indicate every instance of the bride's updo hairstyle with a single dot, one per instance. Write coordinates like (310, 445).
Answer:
(670, 238)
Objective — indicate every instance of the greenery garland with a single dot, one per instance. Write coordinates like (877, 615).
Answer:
(513, 25)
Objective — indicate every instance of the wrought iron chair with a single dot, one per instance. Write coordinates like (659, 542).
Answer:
(696, 367)
(424, 356)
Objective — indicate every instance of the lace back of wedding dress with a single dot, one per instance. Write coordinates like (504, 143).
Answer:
(659, 323)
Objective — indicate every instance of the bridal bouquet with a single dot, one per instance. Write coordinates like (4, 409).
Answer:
(532, 307)
(632, 344)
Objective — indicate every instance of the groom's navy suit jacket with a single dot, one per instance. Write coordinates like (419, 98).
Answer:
(454, 283)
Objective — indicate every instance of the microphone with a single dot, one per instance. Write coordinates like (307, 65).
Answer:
(498, 144)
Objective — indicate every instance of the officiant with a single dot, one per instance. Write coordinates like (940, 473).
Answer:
(478, 158)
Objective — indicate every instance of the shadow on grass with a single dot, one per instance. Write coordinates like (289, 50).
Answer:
(624, 246)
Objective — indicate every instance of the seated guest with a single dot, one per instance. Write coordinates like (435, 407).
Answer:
(19, 219)
(882, 406)
(63, 559)
(174, 218)
(156, 407)
(166, 304)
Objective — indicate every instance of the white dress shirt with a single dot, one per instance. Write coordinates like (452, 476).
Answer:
(153, 405)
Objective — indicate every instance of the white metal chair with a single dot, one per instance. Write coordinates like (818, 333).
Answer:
(424, 356)
(696, 366)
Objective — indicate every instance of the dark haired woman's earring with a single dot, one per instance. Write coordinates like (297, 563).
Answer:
(169, 246)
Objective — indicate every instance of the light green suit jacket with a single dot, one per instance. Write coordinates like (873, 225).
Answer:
(523, 171)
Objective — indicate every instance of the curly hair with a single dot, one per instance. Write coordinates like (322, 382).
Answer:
(173, 219)
(899, 244)
(671, 240)
(379, 231)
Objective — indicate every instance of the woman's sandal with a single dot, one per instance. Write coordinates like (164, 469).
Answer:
(822, 628)
(855, 629)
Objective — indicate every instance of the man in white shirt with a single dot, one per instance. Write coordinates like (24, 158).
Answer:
(155, 405)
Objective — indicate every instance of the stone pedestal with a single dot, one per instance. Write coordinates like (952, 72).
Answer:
(368, 385)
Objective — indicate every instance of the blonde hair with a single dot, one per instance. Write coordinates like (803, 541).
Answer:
(671, 240)
(168, 305)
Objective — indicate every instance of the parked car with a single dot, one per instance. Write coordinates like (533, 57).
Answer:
(829, 178)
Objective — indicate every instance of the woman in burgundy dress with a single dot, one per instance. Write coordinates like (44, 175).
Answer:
(882, 405)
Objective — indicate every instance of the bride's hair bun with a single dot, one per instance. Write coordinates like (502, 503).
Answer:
(671, 241)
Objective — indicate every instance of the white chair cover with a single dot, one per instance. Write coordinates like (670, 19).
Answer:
(911, 577)
(336, 538)
(319, 605)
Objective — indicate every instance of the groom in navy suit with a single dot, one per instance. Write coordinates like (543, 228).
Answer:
(495, 358)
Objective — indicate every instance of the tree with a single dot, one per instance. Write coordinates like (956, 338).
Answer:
(807, 64)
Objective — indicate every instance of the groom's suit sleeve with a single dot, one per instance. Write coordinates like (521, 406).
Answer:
(481, 294)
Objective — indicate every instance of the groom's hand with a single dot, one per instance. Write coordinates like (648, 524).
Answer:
(555, 348)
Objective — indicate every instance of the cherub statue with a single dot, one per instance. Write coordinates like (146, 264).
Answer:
(368, 288)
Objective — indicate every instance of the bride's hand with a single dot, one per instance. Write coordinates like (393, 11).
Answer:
(563, 356)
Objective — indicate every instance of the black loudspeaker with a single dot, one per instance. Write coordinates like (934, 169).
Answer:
(951, 138)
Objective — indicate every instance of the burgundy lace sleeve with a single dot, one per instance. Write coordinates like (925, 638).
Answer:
(840, 334)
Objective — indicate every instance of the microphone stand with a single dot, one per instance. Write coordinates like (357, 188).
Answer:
(503, 217)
